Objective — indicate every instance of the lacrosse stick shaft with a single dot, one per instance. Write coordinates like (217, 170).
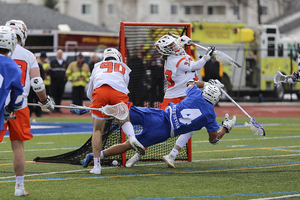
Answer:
(68, 107)
(229, 97)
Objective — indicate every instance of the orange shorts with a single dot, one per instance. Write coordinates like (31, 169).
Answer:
(19, 128)
(166, 102)
(106, 95)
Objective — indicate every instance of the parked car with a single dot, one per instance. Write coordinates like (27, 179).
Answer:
(70, 57)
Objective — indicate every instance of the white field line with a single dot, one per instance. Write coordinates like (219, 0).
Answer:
(260, 138)
(204, 141)
(149, 164)
(281, 197)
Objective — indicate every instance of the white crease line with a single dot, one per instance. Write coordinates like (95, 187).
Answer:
(149, 164)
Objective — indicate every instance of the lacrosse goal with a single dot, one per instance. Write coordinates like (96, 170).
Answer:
(140, 36)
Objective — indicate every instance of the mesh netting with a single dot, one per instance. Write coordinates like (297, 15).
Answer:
(147, 86)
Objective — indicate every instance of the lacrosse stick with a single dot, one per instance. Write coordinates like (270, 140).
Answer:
(220, 56)
(119, 111)
(254, 126)
(280, 78)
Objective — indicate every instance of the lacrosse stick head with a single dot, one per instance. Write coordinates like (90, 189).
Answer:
(119, 111)
(255, 127)
(225, 59)
(279, 78)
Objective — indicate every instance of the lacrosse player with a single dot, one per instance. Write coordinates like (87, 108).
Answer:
(10, 76)
(179, 68)
(19, 128)
(108, 86)
(193, 113)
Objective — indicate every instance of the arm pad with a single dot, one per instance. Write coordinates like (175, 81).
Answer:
(37, 84)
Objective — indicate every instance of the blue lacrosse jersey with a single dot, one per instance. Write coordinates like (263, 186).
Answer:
(193, 113)
(10, 80)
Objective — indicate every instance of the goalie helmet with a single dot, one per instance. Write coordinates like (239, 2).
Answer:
(212, 94)
(112, 53)
(20, 29)
(8, 38)
(167, 45)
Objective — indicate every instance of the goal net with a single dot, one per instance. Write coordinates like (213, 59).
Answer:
(140, 37)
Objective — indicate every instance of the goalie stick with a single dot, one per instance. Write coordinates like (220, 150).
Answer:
(119, 111)
(254, 126)
(220, 56)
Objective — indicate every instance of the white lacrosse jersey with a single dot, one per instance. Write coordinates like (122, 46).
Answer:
(26, 61)
(178, 71)
(112, 73)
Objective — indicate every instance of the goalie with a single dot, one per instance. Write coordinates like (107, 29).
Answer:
(193, 113)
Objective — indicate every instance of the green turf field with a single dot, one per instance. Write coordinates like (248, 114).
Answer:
(241, 166)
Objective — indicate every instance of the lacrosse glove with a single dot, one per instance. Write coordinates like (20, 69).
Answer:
(185, 41)
(227, 123)
(47, 105)
(210, 53)
(78, 111)
(7, 114)
(216, 82)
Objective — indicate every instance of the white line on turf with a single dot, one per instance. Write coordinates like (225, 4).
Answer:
(149, 164)
(281, 197)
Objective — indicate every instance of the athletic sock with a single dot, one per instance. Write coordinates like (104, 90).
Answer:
(173, 153)
(102, 155)
(20, 179)
(96, 162)
(128, 129)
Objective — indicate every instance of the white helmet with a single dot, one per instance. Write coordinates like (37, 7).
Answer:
(212, 94)
(167, 45)
(112, 53)
(8, 38)
(20, 29)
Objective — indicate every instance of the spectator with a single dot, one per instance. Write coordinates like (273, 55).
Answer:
(156, 67)
(78, 72)
(137, 74)
(58, 78)
(94, 60)
(33, 98)
(44, 61)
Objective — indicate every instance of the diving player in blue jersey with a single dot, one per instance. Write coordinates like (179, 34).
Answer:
(10, 76)
(191, 114)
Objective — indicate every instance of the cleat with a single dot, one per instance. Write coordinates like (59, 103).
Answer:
(96, 170)
(20, 190)
(169, 160)
(137, 146)
(131, 162)
(89, 158)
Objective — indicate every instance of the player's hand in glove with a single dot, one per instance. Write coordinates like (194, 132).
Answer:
(227, 123)
(77, 111)
(292, 79)
(216, 83)
(210, 53)
(185, 41)
(8, 115)
(47, 105)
